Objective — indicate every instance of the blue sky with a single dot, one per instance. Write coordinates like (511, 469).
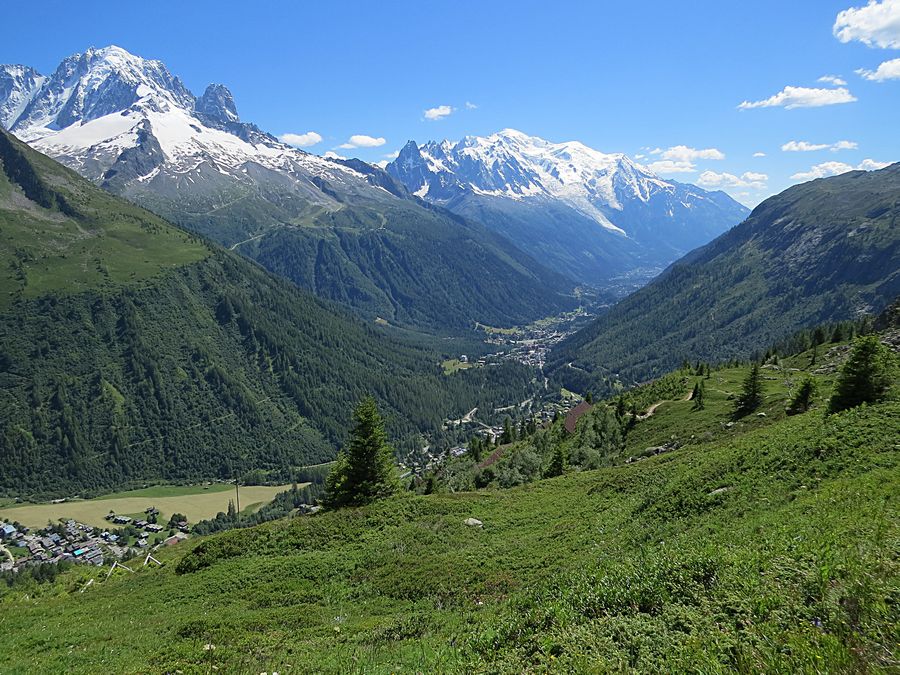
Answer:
(620, 77)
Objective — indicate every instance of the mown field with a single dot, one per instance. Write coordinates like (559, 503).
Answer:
(772, 550)
(197, 502)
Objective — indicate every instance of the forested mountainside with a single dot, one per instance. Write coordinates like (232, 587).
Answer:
(818, 252)
(131, 350)
(591, 215)
(341, 228)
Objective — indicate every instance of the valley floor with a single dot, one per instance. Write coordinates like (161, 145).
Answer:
(197, 502)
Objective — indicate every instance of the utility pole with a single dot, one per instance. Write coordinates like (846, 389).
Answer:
(237, 494)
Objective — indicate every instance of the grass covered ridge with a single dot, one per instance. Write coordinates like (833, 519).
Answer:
(59, 234)
(776, 550)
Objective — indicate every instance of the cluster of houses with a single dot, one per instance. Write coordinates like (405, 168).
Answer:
(72, 541)
(149, 527)
(81, 543)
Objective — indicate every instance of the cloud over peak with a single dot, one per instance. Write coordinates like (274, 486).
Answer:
(301, 140)
(748, 179)
(362, 141)
(826, 169)
(681, 158)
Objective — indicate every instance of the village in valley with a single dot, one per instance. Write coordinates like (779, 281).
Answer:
(71, 541)
(528, 345)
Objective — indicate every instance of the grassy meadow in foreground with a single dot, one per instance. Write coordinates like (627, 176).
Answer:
(774, 550)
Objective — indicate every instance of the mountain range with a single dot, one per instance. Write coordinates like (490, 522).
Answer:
(343, 229)
(590, 215)
(132, 350)
(823, 251)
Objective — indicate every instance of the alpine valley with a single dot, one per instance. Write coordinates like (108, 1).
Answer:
(506, 403)
(131, 350)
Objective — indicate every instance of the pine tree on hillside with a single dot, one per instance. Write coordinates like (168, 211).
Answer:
(802, 400)
(751, 393)
(365, 471)
(866, 377)
(557, 465)
(476, 448)
(697, 395)
(508, 435)
(620, 408)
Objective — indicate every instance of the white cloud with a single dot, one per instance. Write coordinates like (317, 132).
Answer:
(833, 79)
(826, 169)
(438, 112)
(392, 155)
(759, 154)
(871, 165)
(333, 155)
(748, 179)
(471, 106)
(682, 153)
(822, 170)
(802, 97)
(640, 156)
(362, 141)
(889, 70)
(681, 158)
(876, 25)
(665, 166)
(301, 140)
(803, 146)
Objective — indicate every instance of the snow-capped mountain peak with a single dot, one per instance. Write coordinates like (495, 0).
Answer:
(514, 165)
(94, 84)
(218, 103)
(522, 185)
(114, 116)
(17, 87)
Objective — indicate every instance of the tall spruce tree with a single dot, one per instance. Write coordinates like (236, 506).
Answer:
(751, 393)
(802, 399)
(866, 377)
(558, 462)
(365, 471)
(698, 395)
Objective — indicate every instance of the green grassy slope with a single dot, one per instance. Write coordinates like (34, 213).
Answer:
(61, 235)
(822, 251)
(773, 550)
(130, 351)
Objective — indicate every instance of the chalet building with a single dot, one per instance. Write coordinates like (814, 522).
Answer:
(574, 415)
